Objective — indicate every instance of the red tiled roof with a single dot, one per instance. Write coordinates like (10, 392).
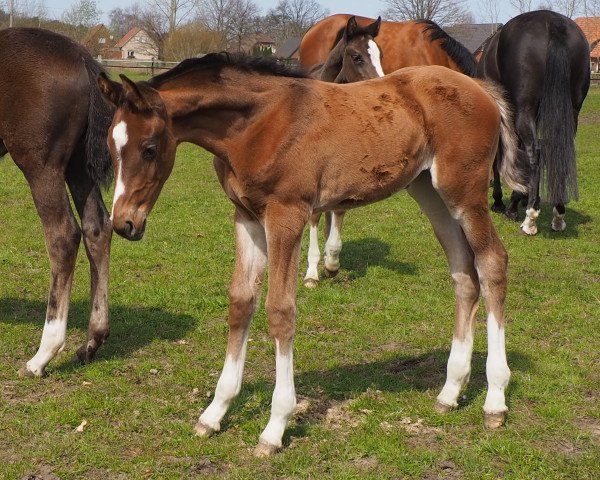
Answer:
(128, 36)
(591, 29)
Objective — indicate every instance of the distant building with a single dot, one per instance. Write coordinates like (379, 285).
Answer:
(472, 35)
(289, 50)
(136, 44)
(99, 42)
(591, 30)
(258, 43)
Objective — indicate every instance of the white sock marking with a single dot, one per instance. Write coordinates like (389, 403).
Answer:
(498, 373)
(375, 55)
(314, 255)
(333, 246)
(529, 224)
(53, 341)
(458, 370)
(284, 398)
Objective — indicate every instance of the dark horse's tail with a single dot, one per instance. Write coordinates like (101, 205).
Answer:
(556, 125)
(100, 116)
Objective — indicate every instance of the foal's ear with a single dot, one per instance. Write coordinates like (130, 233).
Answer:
(373, 29)
(133, 95)
(351, 26)
(111, 90)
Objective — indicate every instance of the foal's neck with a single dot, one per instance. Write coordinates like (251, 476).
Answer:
(217, 115)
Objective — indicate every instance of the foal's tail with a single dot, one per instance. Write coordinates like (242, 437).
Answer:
(100, 116)
(556, 126)
(507, 158)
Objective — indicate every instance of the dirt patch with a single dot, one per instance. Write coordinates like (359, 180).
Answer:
(43, 472)
(321, 409)
(205, 467)
(589, 425)
(420, 435)
(445, 470)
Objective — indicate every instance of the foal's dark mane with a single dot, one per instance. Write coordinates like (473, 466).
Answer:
(217, 61)
(455, 50)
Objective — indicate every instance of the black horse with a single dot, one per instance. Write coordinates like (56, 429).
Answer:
(54, 123)
(542, 59)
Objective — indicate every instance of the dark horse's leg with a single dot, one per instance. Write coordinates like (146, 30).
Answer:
(498, 205)
(97, 233)
(512, 211)
(63, 235)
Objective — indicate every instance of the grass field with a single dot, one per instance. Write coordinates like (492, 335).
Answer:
(370, 349)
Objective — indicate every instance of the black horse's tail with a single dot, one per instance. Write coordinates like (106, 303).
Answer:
(556, 125)
(100, 116)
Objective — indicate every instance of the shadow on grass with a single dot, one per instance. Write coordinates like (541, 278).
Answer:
(573, 218)
(358, 255)
(326, 388)
(130, 327)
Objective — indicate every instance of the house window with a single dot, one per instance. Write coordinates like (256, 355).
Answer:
(130, 54)
(102, 40)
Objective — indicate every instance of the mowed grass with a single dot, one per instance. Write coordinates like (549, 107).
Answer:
(370, 348)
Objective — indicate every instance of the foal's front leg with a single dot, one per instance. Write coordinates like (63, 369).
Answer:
(284, 231)
(62, 242)
(244, 297)
(97, 234)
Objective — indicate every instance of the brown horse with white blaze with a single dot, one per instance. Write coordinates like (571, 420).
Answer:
(287, 146)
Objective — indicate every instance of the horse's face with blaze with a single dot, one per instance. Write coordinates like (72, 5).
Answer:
(362, 56)
(142, 149)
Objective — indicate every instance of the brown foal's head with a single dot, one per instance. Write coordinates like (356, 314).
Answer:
(361, 58)
(142, 147)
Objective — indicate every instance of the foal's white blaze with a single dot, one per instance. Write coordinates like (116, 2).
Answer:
(228, 387)
(498, 373)
(375, 55)
(120, 138)
(458, 370)
(53, 341)
(284, 398)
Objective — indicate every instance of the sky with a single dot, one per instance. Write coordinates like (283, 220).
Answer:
(367, 8)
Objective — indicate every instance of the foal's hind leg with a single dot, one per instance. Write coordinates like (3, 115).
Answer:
(466, 288)
(62, 242)
(333, 247)
(97, 233)
(244, 297)
(311, 279)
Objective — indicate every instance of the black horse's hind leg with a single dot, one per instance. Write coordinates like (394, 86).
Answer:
(498, 205)
(3, 149)
(558, 219)
(97, 233)
(512, 211)
(62, 235)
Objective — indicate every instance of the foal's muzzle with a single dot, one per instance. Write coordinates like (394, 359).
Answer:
(129, 230)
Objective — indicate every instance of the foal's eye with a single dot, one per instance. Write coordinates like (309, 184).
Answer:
(356, 58)
(149, 153)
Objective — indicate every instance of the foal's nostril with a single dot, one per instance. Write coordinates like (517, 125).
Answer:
(129, 228)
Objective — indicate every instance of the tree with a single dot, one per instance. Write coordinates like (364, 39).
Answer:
(173, 12)
(570, 8)
(231, 19)
(83, 14)
(292, 18)
(490, 10)
(189, 41)
(124, 19)
(443, 12)
(522, 6)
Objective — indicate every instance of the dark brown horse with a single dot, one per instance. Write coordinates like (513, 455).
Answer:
(402, 44)
(288, 146)
(53, 122)
(542, 59)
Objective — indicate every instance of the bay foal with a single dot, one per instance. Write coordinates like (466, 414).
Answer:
(287, 146)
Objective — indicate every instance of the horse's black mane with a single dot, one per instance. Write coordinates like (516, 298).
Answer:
(216, 61)
(455, 50)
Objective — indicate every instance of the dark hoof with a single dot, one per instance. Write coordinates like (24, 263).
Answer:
(494, 420)
(202, 430)
(265, 450)
(331, 273)
(511, 215)
(85, 354)
(24, 372)
(442, 407)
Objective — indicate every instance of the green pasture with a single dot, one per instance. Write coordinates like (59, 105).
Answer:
(370, 349)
